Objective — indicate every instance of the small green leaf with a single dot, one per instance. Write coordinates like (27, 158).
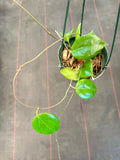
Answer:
(69, 35)
(46, 123)
(85, 89)
(69, 73)
(87, 46)
(87, 69)
(78, 31)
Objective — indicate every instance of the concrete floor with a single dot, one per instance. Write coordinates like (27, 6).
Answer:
(89, 130)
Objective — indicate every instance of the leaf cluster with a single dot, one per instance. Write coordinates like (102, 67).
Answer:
(84, 47)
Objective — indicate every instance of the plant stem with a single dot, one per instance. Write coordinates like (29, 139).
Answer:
(20, 68)
(72, 87)
(66, 105)
(30, 61)
(34, 19)
(58, 147)
(61, 37)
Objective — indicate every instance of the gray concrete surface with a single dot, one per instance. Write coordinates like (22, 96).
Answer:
(101, 115)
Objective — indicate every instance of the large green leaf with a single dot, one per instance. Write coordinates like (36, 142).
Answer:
(69, 35)
(46, 123)
(71, 74)
(87, 69)
(87, 46)
(78, 31)
(85, 89)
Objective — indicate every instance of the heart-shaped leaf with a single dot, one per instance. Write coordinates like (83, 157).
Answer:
(78, 31)
(87, 69)
(71, 74)
(87, 46)
(68, 35)
(46, 123)
(85, 89)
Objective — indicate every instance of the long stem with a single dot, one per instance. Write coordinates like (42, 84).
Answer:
(20, 68)
(34, 19)
(58, 147)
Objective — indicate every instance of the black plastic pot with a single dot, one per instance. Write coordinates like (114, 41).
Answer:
(104, 59)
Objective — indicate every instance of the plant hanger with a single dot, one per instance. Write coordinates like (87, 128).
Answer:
(114, 37)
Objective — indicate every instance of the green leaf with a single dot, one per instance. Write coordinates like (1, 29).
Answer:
(87, 69)
(69, 35)
(75, 75)
(85, 89)
(46, 123)
(87, 46)
(78, 31)
(69, 73)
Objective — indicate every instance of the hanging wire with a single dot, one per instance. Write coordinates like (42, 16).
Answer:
(83, 7)
(114, 37)
(67, 9)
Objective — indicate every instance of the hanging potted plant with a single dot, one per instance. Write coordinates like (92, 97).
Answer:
(83, 59)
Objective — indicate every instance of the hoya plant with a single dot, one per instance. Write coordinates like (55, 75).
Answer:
(81, 61)
(78, 57)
